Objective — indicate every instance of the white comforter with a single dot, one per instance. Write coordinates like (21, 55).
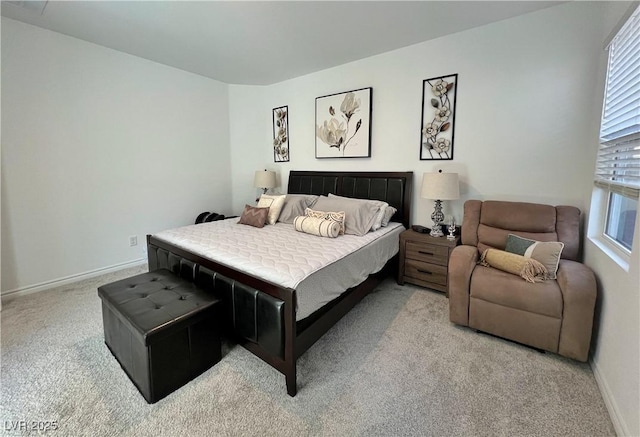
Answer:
(276, 253)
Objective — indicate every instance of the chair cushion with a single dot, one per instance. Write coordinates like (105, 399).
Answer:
(519, 216)
(502, 288)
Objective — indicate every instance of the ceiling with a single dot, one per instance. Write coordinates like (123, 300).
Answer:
(263, 42)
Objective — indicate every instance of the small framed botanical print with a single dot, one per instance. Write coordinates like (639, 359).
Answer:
(281, 134)
(438, 117)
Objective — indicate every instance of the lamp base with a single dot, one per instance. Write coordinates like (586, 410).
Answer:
(264, 191)
(437, 217)
(436, 231)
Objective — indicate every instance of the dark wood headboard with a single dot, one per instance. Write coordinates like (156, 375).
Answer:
(395, 188)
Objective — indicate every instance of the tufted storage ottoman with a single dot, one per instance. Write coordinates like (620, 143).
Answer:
(162, 329)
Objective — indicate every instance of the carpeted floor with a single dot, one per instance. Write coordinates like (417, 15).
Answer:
(393, 366)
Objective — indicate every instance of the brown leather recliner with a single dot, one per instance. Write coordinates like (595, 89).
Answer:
(554, 315)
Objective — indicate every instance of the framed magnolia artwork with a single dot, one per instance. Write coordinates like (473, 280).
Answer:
(438, 117)
(343, 124)
(281, 134)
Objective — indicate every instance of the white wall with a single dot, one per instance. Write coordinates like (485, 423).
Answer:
(99, 145)
(521, 122)
(249, 141)
(616, 342)
(528, 107)
(0, 165)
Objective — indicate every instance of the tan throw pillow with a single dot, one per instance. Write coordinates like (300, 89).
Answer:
(316, 226)
(528, 269)
(274, 203)
(546, 252)
(254, 216)
(327, 215)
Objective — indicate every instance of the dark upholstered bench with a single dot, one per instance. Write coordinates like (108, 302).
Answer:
(162, 329)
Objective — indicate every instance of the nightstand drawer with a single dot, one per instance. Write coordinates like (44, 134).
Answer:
(429, 253)
(426, 272)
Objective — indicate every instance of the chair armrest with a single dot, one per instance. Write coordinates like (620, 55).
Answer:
(461, 264)
(579, 290)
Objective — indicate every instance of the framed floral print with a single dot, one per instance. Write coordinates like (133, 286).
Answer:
(281, 134)
(343, 124)
(438, 117)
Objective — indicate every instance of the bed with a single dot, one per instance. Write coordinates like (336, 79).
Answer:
(263, 315)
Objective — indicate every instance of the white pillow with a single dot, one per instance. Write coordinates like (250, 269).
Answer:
(274, 203)
(377, 224)
(389, 211)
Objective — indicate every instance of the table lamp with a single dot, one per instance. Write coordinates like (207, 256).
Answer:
(264, 179)
(439, 186)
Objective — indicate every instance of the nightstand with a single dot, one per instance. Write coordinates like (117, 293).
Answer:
(424, 259)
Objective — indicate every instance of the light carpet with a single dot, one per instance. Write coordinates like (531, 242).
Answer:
(393, 366)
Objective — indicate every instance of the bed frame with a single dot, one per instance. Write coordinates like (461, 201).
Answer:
(262, 315)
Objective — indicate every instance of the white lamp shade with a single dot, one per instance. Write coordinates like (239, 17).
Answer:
(264, 179)
(440, 186)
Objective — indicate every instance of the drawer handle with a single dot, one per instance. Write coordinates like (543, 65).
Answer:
(425, 253)
(425, 272)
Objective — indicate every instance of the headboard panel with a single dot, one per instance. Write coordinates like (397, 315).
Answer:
(395, 188)
(312, 183)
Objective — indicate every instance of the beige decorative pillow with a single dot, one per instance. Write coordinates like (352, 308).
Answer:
(317, 226)
(274, 203)
(528, 269)
(546, 252)
(338, 217)
(254, 216)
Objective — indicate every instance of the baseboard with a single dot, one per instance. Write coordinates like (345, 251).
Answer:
(12, 294)
(618, 423)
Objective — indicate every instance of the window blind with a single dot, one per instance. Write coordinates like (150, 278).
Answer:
(618, 162)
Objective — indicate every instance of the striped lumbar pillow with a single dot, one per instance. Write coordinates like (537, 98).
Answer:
(316, 226)
(527, 268)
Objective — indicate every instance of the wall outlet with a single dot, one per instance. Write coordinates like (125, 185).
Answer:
(133, 241)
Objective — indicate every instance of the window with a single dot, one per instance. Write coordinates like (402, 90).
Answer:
(618, 162)
(621, 219)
